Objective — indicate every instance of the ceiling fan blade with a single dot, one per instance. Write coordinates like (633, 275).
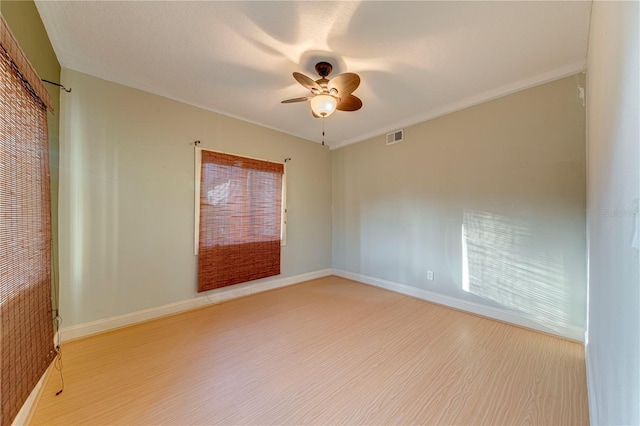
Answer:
(289, 101)
(345, 83)
(307, 82)
(349, 103)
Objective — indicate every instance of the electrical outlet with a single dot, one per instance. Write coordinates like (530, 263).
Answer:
(430, 275)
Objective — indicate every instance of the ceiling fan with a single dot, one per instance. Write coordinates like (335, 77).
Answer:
(327, 96)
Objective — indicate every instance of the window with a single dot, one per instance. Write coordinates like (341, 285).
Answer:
(25, 228)
(240, 219)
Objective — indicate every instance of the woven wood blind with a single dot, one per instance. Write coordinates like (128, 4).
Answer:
(26, 348)
(240, 208)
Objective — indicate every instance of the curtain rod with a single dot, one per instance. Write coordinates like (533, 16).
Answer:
(196, 144)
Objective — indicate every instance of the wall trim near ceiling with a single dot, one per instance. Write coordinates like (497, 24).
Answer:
(575, 334)
(505, 90)
(216, 296)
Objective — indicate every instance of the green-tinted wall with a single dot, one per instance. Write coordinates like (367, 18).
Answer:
(490, 198)
(25, 23)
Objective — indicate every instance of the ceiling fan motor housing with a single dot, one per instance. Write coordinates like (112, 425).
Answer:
(323, 69)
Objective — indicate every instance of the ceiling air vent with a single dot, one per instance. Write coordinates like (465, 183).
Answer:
(395, 137)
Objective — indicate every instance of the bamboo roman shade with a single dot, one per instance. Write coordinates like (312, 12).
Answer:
(240, 214)
(26, 348)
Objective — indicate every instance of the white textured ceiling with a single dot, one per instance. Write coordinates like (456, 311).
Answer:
(416, 60)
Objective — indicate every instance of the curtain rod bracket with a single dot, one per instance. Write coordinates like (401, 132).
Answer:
(287, 159)
(196, 143)
(58, 84)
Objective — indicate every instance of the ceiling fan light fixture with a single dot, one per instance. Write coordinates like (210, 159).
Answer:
(328, 95)
(323, 105)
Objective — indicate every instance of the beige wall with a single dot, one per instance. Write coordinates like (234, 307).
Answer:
(512, 168)
(510, 171)
(127, 196)
(25, 23)
(613, 187)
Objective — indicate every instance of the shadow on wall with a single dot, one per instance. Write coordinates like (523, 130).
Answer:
(498, 264)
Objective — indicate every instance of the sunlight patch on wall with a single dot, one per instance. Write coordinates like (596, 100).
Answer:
(501, 263)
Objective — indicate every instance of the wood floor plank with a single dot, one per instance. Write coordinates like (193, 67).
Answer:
(328, 351)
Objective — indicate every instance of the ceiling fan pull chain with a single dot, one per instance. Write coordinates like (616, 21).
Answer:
(323, 131)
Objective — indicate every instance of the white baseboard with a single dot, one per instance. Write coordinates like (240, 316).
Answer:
(215, 296)
(566, 332)
(23, 415)
(591, 387)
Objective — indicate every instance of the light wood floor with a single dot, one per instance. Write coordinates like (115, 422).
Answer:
(328, 351)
